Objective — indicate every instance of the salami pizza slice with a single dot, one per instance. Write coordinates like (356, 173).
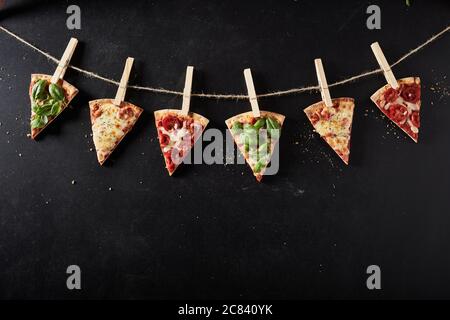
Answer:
(110, 124)
(256, 138)
(402, 105)
(48, 101)
(177, 134)
(334, 124)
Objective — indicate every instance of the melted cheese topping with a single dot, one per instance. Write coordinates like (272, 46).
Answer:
(108, 129)
(338, 124)
(334, 125)
(176, 138)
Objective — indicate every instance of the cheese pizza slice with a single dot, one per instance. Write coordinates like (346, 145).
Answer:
(48, 101)
(177, 134)
(334, 124)
(256, 138)
(402, 105)
(110, 124)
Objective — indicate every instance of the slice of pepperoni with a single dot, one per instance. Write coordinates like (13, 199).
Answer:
(169, 122)
(415, 119)
(398, 113)
(169, 163)
(164, 140)
(188, 123)
(314, 118)
(391, 95)
(411, 92)
(325, 114)
(96, 111)
(170, 166)
(168, 156)
(126, 113)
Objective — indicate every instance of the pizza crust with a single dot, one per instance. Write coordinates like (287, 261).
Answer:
(246, 116)
(159, 114)
(410, 80)
(69, 92)
(345, 102)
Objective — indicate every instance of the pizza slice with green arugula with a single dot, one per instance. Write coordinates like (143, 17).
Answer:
(256, 138)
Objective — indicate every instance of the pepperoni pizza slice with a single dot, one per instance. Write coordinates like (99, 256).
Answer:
(256, 138)
(334, 124)
(110, 124)
(177, 134)
(402, 105)
(48, 101)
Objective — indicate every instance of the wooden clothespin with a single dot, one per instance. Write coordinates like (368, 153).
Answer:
(388, 74)
(324, 91)
(187, 91)
(120, 95)
(64, 62)
(251, 93)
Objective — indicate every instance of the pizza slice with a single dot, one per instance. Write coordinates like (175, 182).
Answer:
(256, 138)
(177, 134)
(110, 124)
(334, 124)
(402, 105)
(47, 101)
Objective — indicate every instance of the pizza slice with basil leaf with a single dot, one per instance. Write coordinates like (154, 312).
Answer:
(402, 105)
(334, 124)
(110, 124)
(256, 138)
(48, 100)
(177, 134)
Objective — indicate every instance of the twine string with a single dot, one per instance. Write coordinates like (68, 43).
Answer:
(91, 74)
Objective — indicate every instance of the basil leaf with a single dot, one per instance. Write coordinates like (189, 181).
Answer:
(44, 110)
(56, 108)
(44, 120)
(50, 101)
(38, 91)
(39, 122)
(36, 123)
(34, 90)
(34, 107)
(56, 92)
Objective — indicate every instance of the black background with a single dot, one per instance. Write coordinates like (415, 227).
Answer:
(213, 231)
